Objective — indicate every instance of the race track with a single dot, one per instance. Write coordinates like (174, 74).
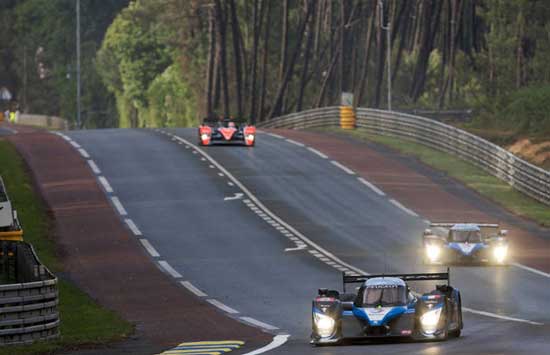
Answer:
(260, 254)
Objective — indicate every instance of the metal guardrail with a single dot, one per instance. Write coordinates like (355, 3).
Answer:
(28, 296)
(328, 116)
(50, 122)
(523, 176)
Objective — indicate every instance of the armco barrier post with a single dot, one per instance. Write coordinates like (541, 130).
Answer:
(347, 117)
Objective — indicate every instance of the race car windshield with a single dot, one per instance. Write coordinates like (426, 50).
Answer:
(384, 296)
(466, 236)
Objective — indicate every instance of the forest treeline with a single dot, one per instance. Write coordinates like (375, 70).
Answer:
(171, 62)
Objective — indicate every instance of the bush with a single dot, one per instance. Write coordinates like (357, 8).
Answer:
(528, 111)
(171, 101)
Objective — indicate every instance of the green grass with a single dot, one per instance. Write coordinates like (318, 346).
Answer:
(470, 175)
(83, 322)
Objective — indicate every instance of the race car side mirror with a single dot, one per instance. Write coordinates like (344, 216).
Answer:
(503, 232)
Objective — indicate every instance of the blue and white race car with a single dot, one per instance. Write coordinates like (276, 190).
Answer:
(385, 307)
(465, 243)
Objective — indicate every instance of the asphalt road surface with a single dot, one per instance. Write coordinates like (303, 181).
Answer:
(266, 266)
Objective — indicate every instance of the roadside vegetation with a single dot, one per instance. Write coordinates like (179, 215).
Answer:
(83, 322)
(172, 62)
(466, 173)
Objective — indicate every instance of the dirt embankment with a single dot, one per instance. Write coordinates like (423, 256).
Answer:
(536, 153)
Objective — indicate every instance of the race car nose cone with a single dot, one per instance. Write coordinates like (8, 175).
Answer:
(227, 132)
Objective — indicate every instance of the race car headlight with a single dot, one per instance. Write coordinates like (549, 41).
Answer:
(500, 252)
(430, 319)
(250, 137)
(205, 136)
(433, 251)
(324, 324)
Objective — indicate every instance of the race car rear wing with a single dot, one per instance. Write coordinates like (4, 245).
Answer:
(449, 225)
(434, 276)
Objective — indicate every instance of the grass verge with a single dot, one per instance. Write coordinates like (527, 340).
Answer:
(83, 322)
(470, 175)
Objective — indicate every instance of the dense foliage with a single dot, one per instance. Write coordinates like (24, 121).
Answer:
(38, 57)
(170, 62)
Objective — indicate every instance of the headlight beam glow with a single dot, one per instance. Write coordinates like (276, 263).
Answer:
(324, 324)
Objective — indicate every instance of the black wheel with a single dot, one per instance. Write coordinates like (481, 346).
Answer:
(456, 333)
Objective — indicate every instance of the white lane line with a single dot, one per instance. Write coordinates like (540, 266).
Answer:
(277, 341)
(371, 186)
(295, 143)
(258, 323)
(189, 286)
(62, 136)
(211, 166)
(169, 269)
(222, 306)
(493, 315)
(132, 227)
(202, 158)
(315, 151)
(120, 209)
(105, 184)
(74, 144)
(345, 168)
(84, 153)
(275, 135)
(152, 251)
(405, 209)
(94, 167)
(220, 174)
(253, 198)
(530, 269)
(230, 183)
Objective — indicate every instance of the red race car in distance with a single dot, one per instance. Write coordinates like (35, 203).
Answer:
(226, 131)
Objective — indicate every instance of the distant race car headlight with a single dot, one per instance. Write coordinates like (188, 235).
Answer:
(204, 136)
(500, 253)
(324, 324)
(250, 137)
(433, 251)
(430, 319)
